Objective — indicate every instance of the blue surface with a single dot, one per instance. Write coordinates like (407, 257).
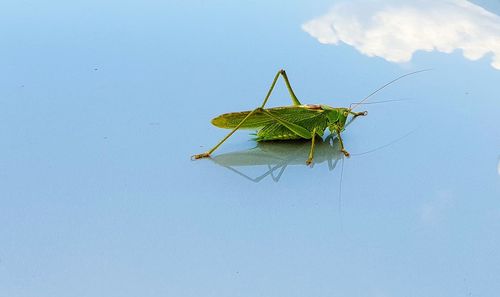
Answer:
(102, 104)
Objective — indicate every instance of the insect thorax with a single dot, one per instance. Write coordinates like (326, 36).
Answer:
(312, 119)
(337, 117)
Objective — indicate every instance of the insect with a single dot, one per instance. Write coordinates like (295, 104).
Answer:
(298, 121)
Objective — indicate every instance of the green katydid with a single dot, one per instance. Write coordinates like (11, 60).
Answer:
(298, 121)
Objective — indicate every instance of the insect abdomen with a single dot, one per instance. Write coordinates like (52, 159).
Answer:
(280, 137)
(276, 131)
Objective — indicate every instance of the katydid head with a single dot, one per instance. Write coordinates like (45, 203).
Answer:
(342, 118)
(337, 117)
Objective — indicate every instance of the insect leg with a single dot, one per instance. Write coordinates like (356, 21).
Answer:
(207, 154)
(288, 86)
(356, 114)
(295, 128)
(342, 149)
(311, 152)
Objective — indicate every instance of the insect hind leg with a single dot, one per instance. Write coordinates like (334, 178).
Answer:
(208, 153)
(281, 72)
(260, 109)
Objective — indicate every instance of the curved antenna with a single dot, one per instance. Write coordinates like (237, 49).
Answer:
(382, 87)
(377, 102)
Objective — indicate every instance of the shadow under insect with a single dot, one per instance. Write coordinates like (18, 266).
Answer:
(276, 156)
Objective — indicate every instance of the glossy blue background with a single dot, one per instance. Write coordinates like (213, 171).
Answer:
(102, 103)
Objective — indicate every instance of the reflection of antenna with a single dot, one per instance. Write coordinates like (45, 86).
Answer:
(498, 166)
(340, 196)
(385, 145)
(382, 87)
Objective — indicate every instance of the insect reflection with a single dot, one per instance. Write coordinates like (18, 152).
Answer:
(278, 155)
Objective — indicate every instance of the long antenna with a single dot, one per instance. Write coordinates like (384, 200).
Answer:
(382, 87)
(377, 102)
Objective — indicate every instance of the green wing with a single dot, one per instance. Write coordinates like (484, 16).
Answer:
(259, 119)
(231, 120)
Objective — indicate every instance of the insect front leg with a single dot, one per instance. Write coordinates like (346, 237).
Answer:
(342, 148)
(357, 114)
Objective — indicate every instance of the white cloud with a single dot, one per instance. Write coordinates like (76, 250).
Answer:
(394, 30)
